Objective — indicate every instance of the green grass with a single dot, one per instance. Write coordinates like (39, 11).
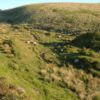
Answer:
(65, 18)
(38, 53)
(22, 67)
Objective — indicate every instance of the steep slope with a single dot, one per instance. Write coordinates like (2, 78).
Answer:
(42, 65)
(20, 65)
(67, 18)
(39, 62)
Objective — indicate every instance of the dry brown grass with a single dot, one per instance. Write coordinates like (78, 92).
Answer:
(4, 28)
(6, 48)
(54, 77)
(70, 6)
(9, 91)
(73, 79)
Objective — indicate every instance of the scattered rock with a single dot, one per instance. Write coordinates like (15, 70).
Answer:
(35, 43)
(28, 42)
(59, 36)
(76, 60)
(99, 51)
(32, 42)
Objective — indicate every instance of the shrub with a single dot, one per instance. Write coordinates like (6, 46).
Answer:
(88, 40)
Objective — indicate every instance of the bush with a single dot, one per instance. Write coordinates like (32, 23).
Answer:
(88, 40)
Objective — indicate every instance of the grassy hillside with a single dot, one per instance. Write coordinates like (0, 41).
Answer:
(38, 61)
(66, 18)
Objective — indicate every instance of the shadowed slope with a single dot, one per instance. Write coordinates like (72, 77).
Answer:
(89, 40)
